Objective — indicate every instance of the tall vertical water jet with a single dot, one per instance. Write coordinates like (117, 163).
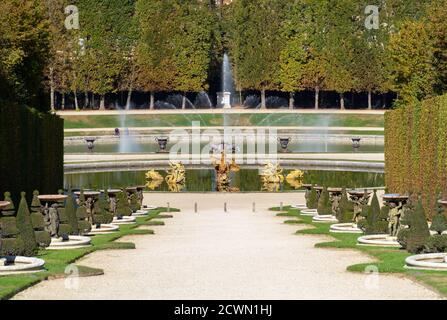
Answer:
(224, 97)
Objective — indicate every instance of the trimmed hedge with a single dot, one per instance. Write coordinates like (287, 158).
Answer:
(416, 151)
(32, 151)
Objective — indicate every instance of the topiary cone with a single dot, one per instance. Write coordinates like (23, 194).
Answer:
(25, 227)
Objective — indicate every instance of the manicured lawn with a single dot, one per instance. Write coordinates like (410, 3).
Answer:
(389, 260)
(255, 119)
(56, 261)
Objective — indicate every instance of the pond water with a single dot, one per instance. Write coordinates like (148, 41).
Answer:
(301, 147)
(203, 180)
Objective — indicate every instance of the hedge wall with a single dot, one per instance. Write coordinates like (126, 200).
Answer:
(416, 150)
(31, 151)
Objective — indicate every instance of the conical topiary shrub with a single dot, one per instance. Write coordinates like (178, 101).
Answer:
(312, 201)
(415, 236)
(122, 206)
(11, 244)
(324, 203)
(374, 222)
(25, 227)
(84, 225)
(70, 212)
(43, 238)
(346, 209)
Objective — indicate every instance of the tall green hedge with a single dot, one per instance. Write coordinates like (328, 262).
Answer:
(31, 151)
(416, 151)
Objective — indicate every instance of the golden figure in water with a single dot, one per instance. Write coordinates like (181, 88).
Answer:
(223, 170)
(153, 179)
(176, 177)
(272, 177)
(295, 178)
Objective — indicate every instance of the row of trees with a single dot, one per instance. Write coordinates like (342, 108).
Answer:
(325, 45)
(177, 45)
(147, 45)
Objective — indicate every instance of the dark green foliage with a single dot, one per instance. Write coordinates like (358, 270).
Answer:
(312, 202)
(102, 214)
(70, 212)
(32, 149)
(64, 224)
(122, 207)
(436, 243)
(26, 229)
(346, 211)
(439, 223)
(414, 238)
(324, 203)
(11, 244)
(9, 227)
(10, 210)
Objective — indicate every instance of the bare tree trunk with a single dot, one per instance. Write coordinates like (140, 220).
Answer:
(85, 100)
(63, 101)
(369, 99)
(263, 100)
(52, 104)
(102, 103)
(317, 97)
(342, 101)
(291, 101)
(152, 101)
(76, 100)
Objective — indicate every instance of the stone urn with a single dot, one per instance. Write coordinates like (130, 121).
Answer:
(284, 143)
(162, 144)
(90, 143)
(356, 142)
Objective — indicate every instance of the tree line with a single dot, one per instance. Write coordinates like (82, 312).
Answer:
(274, 45)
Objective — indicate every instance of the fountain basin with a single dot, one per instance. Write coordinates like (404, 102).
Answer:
(309, 212)
(105, 229)
(379, 240)
(345, 228)
(124, 220)
(325, 219)
(74, 242)
(21, 265)
(430, 261)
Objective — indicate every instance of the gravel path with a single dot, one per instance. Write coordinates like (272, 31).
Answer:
(235, 255)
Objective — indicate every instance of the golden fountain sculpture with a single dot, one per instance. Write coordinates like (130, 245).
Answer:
(176, 177)
(223, 170)
(272, 177)
(153, 179)
(295, 178)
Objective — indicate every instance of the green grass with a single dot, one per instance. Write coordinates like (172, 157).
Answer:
(388, 260)
(255, 119)
(56, 261)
